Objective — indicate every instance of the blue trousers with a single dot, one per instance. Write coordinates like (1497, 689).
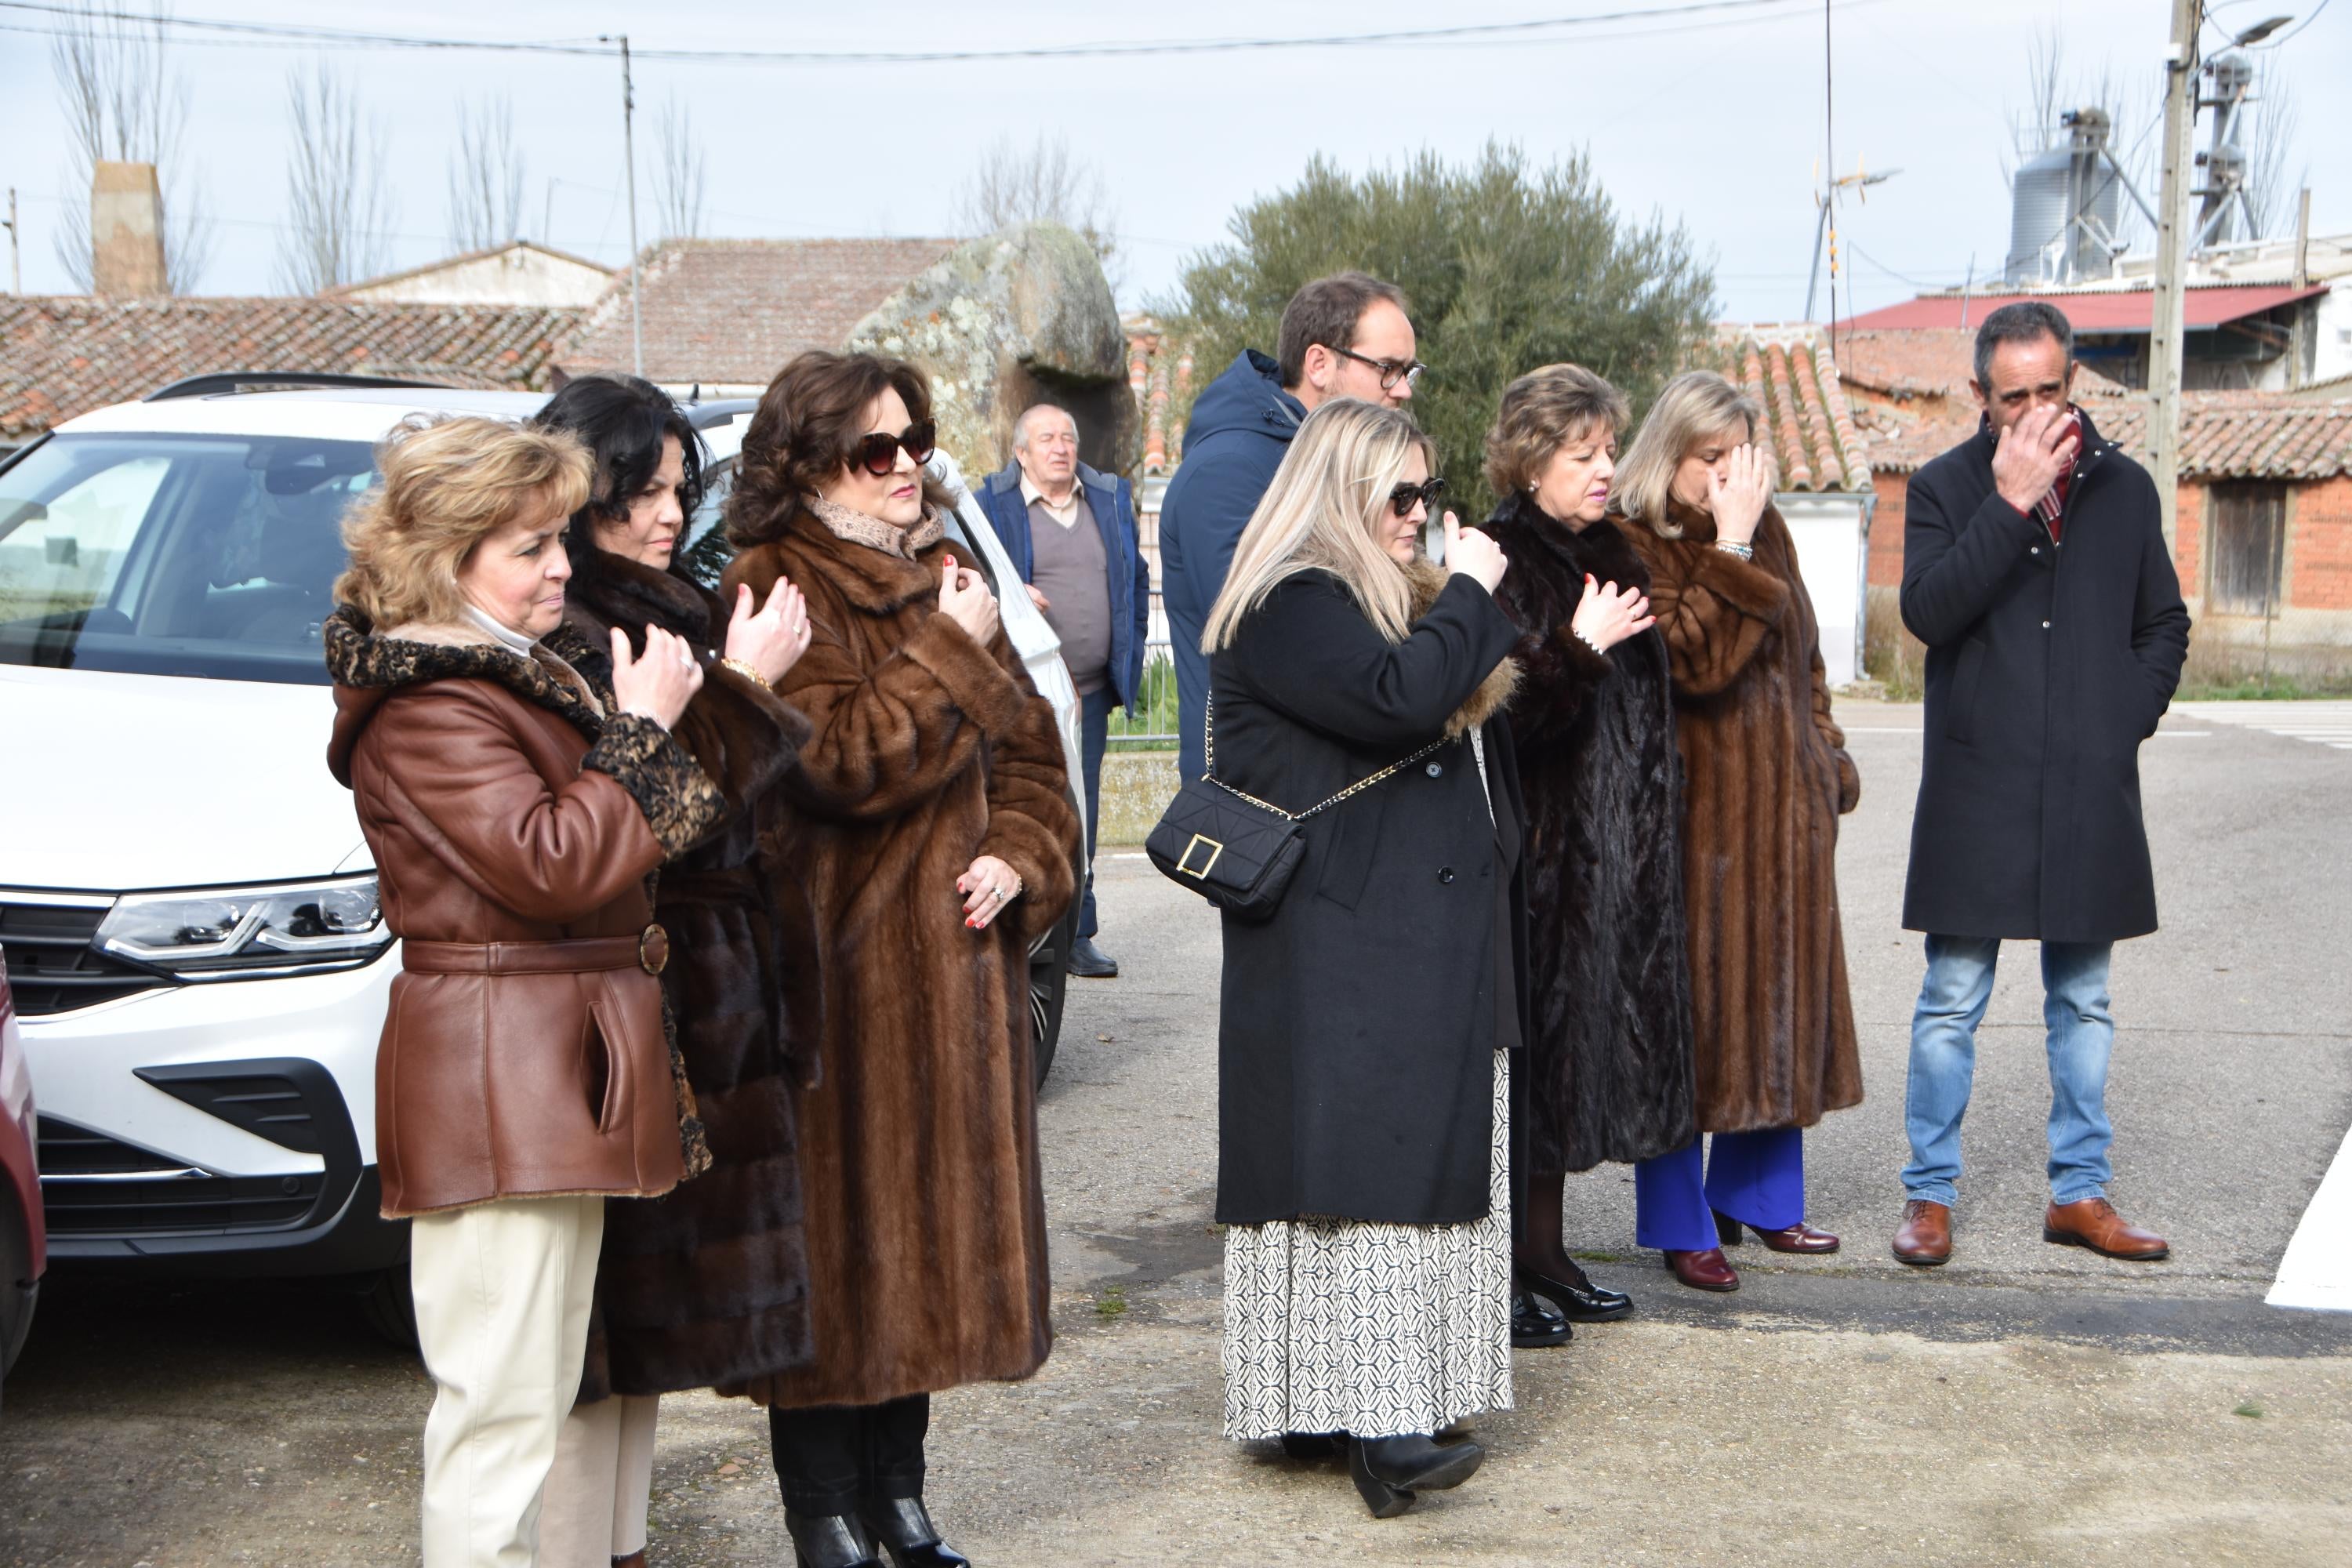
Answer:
(1755, 1177)
(1094, 739)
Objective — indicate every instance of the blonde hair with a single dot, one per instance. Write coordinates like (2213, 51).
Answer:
(1320, 512)
(1695, 405)
(446, 485)
(1543, 411)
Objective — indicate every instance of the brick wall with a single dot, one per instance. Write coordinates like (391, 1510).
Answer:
(2319, 545)
(2189, 539)
(1886, 530)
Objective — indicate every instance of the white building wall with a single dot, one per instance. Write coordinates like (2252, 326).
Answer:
(518, 275)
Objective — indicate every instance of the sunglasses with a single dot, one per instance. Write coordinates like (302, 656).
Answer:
(1404, 497)
(1390, 371)
(878, 454)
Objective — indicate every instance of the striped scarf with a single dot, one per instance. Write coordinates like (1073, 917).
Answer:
(2051, 508)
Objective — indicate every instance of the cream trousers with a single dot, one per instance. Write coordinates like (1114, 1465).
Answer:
(604, 1476)
(502, 1291)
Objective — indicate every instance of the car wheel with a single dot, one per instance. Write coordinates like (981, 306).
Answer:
(17, 1289)
(1049, 983)
(389, 1308)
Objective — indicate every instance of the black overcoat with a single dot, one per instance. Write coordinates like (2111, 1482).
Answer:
(1608, 1066)
(1358, 1025)
(2049, 661)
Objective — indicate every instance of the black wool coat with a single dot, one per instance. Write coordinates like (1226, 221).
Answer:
(709, 1284)
(1358, 1025)
(1608, 1066)
(2049, 661)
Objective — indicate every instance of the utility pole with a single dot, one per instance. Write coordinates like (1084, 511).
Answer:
(2170, 320)
(629, 151)
(17, 274)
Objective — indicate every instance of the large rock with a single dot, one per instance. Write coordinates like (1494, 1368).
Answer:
(1021, 316)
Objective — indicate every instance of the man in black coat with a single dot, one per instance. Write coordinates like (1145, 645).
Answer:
(2036, 571)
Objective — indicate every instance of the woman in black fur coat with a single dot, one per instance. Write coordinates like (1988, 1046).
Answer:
(1610, 1071)
(708, 1284)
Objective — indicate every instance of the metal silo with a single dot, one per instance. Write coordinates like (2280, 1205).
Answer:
(2065, 208)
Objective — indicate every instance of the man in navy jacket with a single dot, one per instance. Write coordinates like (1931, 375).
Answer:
(1342, 336)
(1071, 532)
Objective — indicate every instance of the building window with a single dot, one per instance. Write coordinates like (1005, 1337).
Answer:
(2249, 551)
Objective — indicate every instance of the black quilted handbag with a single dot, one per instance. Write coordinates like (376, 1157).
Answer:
(1234, 850)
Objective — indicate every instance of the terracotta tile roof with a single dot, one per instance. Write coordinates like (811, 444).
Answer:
(65, 355)
(1807, 423)
(729, 312)
(1160, 370)
(1912, 403)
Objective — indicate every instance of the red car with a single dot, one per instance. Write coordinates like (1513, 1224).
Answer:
(24, 1237)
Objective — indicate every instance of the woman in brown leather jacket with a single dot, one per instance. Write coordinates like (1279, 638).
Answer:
(514, 811)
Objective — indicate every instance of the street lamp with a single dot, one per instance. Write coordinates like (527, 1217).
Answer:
(2259, 31)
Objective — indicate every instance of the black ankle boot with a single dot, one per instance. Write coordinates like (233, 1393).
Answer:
(828, 1540)
(1389, 1470)
(902, 1527)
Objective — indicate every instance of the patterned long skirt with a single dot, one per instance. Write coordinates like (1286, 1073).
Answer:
(1375, 1329)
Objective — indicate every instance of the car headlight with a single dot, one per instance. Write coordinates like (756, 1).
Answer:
(226, 934)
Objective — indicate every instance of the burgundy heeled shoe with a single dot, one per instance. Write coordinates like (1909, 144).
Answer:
(1799, 1238)
(1702, 1270)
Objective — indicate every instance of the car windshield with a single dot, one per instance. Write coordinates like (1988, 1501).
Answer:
(190, 556)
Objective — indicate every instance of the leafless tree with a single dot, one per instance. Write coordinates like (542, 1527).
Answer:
(1042, 183)
(2270, 143)
(2134, 121)
(486, 175)
(339, 209)
(122, 102)
(677, 172)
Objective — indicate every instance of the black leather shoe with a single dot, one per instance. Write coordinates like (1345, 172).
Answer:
(1535, 1324)
(903, 1528)
(1313, 1447)
(1387, 1471)
(828, 1540)
(1579, 1301)
(1089, 962)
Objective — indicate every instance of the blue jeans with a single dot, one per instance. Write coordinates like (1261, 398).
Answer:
(1758, 1178)
(1944, 1059)
(1094, 739)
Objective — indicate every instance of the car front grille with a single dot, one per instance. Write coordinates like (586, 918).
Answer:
(94, 1185)
(52, 967)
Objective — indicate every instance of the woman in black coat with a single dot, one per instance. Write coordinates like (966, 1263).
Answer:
(1608, 1070)
(1362, 1048)
(707, 1285)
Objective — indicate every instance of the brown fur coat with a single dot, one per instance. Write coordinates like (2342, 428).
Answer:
(925, 1209)
(1767, 777)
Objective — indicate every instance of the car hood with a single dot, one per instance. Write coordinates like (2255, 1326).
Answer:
(122, 782)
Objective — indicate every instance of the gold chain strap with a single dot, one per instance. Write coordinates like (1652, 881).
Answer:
(1209, 738)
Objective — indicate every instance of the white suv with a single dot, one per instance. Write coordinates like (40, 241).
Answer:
(186, 904)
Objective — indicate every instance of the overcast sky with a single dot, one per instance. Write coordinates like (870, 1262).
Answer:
(1714, 119)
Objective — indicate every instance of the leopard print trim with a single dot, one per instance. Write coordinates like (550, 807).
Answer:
(680, 802)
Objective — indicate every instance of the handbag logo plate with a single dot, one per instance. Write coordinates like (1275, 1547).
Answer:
(1184, 861)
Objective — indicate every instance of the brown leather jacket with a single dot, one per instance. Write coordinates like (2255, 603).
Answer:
(513, 824)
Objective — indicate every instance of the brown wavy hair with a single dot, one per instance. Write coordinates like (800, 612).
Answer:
(799, 436)
(444, 486)
(1543, 411)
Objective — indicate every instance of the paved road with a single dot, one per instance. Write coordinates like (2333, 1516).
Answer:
(2024, 1405)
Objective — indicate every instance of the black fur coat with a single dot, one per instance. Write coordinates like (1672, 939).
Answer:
(1609, 1060)
(709, 1284)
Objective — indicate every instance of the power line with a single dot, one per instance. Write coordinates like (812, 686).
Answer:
(284, 35)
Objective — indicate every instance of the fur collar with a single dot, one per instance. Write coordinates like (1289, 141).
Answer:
(1494, 694)
(844, 523)
(369, 667)
(1540, 546)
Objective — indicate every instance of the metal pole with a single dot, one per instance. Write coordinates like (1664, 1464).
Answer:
(17, 274)
(2171, 318)
(1814, 278)
(629, 151)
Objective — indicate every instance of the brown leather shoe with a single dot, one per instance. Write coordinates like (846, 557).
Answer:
(2093, 1223)
(1924, 1236)
(1702, 1270)
(1799, 1238)
(634, 1560)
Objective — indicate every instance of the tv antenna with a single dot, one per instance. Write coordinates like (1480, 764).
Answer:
(1826, 227)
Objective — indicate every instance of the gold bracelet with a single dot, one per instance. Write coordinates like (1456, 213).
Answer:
(744, 669)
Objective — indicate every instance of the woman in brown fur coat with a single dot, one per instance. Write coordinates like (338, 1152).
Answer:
(1767, 778)
(932, 828)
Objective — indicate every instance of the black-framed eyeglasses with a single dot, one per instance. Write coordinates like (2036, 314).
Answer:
(1404, 497)
(1391, 370)
(878, 454)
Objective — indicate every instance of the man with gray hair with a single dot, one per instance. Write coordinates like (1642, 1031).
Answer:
(1072, 535)
(2036, 571)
